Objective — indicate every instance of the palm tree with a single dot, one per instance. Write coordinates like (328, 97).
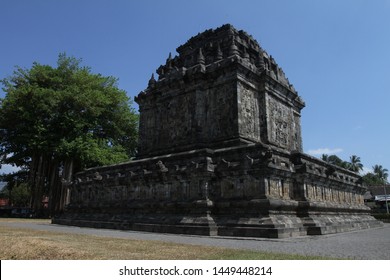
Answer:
(333, 159)
(381, 173)
(325, 157)
(355, 164)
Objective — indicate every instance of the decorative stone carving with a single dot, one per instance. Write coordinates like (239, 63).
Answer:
(161, 166)
(220, 153)
(97, 176)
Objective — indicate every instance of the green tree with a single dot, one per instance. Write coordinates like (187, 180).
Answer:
(381, 173)
(335, 160)
(370, 179)
(21, 195)
(325, 157)
(57, 121)
(355, 164)
(16, 188)
(377, 177)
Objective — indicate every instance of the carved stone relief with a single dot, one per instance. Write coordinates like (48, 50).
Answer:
(249, 119)
(279, 121)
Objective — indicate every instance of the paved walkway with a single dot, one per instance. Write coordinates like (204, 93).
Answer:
(370, 244)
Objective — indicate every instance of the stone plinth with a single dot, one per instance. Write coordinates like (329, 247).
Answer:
(252, 190)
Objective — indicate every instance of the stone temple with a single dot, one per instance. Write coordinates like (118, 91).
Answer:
(220, 153)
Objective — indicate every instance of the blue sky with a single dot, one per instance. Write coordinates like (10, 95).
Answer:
(336, 53)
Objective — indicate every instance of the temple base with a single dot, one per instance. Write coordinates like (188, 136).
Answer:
(249, 191)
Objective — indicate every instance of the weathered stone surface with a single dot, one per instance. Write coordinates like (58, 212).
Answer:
(221, 90)
(220, 153)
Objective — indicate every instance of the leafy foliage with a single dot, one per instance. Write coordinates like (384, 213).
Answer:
(377, 177)
(370, 179)
(64, 118)
(64, 110)
(16, 188)
(354, 164)
(380, 172)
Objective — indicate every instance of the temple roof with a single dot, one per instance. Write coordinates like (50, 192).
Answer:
(215, 45)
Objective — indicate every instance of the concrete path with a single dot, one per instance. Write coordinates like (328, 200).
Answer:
(370, 244)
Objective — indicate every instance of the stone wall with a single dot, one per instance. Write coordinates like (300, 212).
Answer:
(254, 190)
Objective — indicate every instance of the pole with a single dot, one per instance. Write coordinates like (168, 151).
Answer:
(387, 206)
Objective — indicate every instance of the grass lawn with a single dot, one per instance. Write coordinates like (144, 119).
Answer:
(30, 244)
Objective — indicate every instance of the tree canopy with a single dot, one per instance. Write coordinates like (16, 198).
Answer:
(16, 188)
(380, 173)
(58, 120)
(377, 177)
(354, 164)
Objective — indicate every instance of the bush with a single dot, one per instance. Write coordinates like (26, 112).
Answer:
(381, 216)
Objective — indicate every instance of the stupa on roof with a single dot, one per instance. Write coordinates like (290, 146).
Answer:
(220, 153)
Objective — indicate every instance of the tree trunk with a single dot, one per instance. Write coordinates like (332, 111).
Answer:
(54, 186)
(66, 182)
(60, 187)
(37, 181)
(36, 175)
(32, 178)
